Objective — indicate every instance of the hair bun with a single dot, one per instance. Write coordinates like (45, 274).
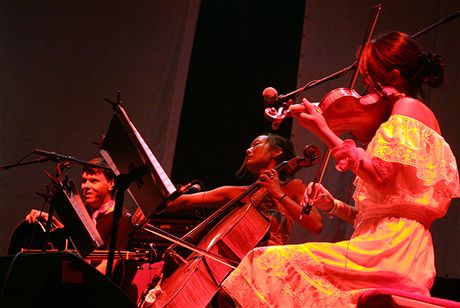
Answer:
(431, 69)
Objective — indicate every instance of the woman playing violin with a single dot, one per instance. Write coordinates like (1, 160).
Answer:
(405, 179)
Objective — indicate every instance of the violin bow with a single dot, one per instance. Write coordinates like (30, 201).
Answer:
(313, 83)
(375, 12)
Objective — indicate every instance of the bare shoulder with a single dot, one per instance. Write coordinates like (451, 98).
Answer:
(295, 183)
(413, 108)
(295, 188)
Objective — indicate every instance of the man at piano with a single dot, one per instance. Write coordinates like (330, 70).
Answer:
(97, 186)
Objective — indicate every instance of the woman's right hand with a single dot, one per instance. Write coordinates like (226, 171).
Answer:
(322, 198)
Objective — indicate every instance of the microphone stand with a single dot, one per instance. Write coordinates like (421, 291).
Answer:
(122, 182)
(35, 161)
(66, 158)
(285, 97)
(54, 180)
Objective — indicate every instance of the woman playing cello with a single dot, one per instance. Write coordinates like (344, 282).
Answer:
(405, 180)
(278, 200)
(283, 203)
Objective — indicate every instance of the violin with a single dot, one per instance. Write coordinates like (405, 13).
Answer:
(346, 111)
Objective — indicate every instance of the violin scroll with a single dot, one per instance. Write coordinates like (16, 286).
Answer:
(312, 154)
(276, 116)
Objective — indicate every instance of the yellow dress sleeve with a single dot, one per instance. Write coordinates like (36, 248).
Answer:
(409, 142)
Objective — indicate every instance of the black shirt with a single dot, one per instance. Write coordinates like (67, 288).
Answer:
(104, 227)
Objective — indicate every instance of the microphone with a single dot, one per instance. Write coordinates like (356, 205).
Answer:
(270, 95)
(54, 156)
(192, 187)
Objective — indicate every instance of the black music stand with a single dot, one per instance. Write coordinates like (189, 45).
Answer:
(130, 158)
(77, 223)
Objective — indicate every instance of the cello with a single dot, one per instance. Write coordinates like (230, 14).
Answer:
(237, 227)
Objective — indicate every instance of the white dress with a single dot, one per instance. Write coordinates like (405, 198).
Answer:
(391, 246)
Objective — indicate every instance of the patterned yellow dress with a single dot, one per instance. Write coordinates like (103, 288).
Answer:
(391, 246)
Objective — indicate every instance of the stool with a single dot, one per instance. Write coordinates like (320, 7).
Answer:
(383, 297)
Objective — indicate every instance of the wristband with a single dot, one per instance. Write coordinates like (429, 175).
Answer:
(348, 156)
(333, 210)
(281, 198)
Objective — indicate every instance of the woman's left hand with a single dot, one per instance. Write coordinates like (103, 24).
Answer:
(271, 181)
(312, 118)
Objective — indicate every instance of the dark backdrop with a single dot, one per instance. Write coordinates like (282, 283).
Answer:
(59, 59)
(240, 47)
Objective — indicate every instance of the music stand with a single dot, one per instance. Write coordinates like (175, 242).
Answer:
(78, 225)
(132, 161)
(125, 151)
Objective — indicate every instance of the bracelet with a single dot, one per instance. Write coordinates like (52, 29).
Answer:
(281, 198)
(333, 210)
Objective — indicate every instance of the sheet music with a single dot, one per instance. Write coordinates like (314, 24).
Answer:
(127, 153)
(160, 171)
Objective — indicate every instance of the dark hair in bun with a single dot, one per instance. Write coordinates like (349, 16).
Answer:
(431, 69)
(397, 50)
